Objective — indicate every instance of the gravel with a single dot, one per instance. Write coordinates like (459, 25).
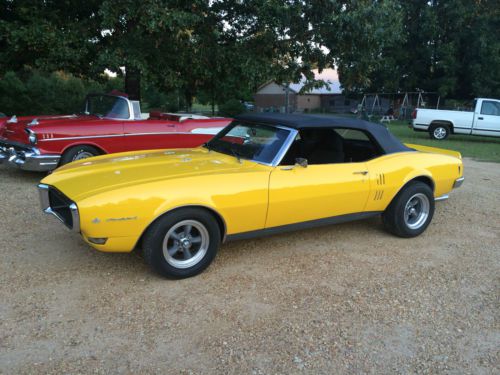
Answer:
(346, 299)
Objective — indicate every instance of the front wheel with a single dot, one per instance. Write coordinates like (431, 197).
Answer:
(411, 211)
(182, 243)
(78, 153)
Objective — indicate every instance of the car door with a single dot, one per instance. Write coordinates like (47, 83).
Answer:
(487, 120)
(298, 194)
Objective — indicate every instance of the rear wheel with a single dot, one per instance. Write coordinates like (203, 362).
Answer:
(183, 243)
(439, 131)
(78, 153)
(411, 211)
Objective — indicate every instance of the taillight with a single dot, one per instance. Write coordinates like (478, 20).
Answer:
(414, 114)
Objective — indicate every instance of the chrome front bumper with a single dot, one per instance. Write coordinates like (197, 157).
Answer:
(26, 157)
(58, 210)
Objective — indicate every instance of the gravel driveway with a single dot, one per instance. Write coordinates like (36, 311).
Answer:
(342, 299)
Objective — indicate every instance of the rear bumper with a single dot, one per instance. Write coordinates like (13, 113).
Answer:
(26, 158)
(458, 182)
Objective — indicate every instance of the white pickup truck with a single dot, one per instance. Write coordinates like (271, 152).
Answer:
(484, 120)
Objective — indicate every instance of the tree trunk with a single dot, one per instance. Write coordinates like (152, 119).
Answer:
(189, 99)
(133, 83)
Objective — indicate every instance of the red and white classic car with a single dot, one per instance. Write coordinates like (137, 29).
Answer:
(109, 124)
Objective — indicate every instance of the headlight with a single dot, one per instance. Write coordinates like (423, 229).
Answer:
(32, 136)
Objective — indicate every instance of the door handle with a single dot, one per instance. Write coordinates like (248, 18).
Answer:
(287, 168)
(364, 173)
(480, 118)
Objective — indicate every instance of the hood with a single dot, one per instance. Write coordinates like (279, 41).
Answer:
(84, 178)
(16, 131)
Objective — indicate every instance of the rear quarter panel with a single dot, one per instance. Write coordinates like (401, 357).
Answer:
(389, 173)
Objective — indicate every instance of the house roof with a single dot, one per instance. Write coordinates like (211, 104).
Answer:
(332, 87)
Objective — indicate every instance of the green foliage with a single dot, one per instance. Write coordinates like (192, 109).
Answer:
(36, 93)
(221, 50)
(231, 108)
(449, 47)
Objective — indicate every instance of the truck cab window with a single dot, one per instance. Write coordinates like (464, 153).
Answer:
(490, 108)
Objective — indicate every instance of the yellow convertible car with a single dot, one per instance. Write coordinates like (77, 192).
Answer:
(262, 174)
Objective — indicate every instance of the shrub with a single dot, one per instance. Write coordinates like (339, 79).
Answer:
(231, 108)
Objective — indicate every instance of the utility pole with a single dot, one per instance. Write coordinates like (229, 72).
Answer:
(287, 91)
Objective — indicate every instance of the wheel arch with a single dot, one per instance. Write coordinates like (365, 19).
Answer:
(218, 217)
(449, 123)
(422, 177)
(90, 144)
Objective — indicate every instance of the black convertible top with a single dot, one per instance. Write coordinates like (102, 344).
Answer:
(380, 133)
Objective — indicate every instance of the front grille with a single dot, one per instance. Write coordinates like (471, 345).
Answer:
(60, 204)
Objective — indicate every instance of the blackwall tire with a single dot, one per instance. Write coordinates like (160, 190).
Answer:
(78, 153)
(183, 243)
(411, 211)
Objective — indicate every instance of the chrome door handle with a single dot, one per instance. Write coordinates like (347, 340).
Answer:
(364, 173)
(287, 168)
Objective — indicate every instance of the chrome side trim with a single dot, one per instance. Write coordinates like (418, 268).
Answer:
(80, 137)
(441, 198)
(458, 182)
(118, 135)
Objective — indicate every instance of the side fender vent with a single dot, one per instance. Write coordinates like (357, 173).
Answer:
(381, 179)
(378, 195)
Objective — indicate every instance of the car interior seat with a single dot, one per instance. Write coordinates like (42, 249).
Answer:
(322, 146)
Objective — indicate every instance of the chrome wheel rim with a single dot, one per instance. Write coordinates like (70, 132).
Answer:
(82, 155)
(185, 244)
(440, 132)
(417, 211)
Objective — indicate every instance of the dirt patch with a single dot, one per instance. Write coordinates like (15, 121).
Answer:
(342, 299)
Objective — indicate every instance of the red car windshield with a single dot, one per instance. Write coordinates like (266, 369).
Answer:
(107, 106)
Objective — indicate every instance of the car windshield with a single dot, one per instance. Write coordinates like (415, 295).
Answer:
(257, 142)
(107, 106)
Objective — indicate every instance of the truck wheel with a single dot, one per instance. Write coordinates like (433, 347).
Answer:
(182, 244)
(78, 153)
(411, 211)
(439, 131)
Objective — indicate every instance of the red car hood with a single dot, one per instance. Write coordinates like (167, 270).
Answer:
(16, 131)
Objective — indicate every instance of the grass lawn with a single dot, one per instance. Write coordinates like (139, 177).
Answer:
(479, 148)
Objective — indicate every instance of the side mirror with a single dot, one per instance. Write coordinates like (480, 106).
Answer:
(302, 162)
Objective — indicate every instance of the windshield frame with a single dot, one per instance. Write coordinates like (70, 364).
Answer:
(127, 101)
(280, 154)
